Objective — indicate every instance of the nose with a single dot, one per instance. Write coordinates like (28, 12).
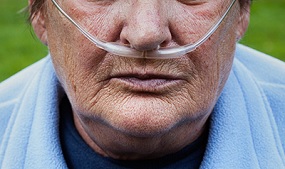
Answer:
(146, 26)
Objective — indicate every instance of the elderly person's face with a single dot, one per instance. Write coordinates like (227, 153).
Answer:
(139, 107)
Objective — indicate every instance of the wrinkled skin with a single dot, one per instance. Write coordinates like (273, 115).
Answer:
(128, 108)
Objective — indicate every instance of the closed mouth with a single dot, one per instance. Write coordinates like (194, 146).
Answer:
(150, 83)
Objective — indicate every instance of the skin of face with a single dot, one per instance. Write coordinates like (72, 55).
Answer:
(128, 108)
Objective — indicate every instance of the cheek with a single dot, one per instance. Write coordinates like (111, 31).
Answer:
(213, 62)
(80, 66)
(76, 59)
(82, 80)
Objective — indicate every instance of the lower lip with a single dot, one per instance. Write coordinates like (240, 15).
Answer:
(147, 85)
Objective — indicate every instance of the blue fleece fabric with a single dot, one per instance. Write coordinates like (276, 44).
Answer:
(247, 127)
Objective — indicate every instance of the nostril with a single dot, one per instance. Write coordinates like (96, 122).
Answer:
(125, 42)
(164, 43)
(146, 46)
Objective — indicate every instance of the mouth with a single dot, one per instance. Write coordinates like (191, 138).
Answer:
(147, 83)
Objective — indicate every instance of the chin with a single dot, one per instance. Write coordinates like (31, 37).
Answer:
(143, 117)
(142, 127)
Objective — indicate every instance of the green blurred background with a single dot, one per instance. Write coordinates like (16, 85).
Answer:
(19, 47)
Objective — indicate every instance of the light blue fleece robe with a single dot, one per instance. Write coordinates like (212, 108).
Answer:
(247, 129)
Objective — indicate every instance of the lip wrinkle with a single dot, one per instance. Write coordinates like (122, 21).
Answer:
(146, 76)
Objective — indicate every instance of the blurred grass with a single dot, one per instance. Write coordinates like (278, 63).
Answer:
(267, 27)
(19, 47)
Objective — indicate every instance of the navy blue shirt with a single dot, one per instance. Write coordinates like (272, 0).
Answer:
(78, 155)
